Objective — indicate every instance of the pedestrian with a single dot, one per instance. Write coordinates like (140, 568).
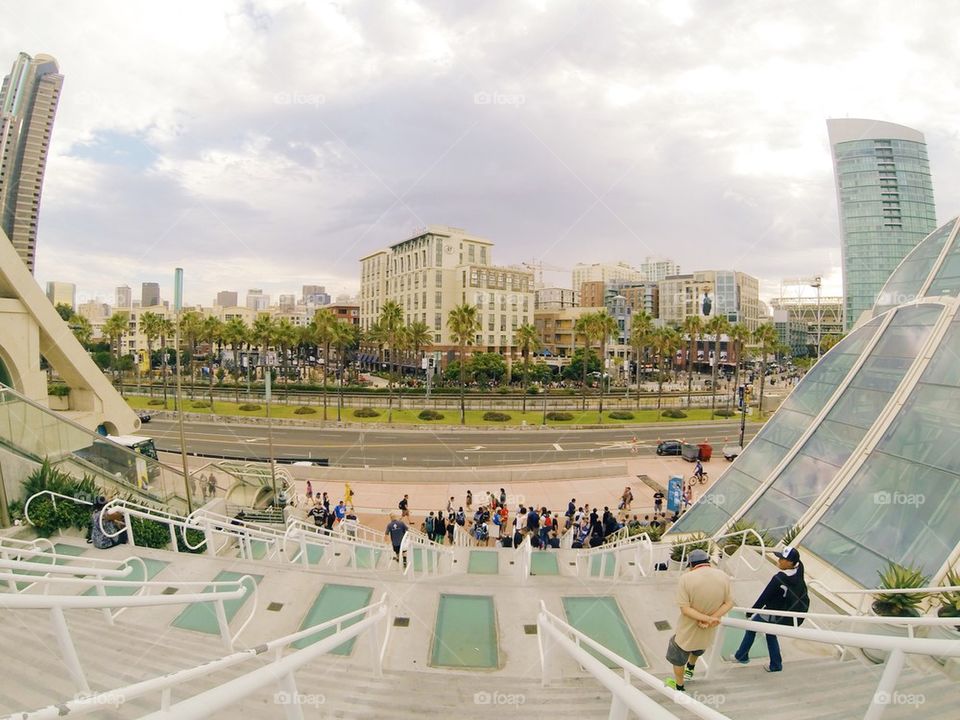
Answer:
(309, 491)
(450, 505)
(658, 501)
(461, 517)
(211, 486)
(439, 528)
(451, 521)
(404, 506)
(503, 497)
(396, 529)
(348, 495)
(340, 511)
(704, 596)
(428, 525)
(469, 501)
(787, 590)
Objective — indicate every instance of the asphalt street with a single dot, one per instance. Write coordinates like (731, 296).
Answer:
(425, 447)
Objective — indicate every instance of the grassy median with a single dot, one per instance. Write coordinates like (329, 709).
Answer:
(408, 416)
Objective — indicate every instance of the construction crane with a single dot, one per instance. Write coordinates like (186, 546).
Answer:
(537, 266)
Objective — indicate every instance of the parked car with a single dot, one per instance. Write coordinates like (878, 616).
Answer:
(670, 447)
(144, 416)
(730, 452)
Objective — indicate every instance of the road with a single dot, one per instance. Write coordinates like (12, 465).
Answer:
(387, 447)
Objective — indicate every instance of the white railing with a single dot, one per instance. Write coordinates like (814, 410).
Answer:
(461, 537)
(866, 594)
(357, 531)
(717, 549)
(432, 555)
(552, 633)
(525, 552)
(53, 497)
(305, 534)
(280, 670)
(56, 604)
(638, 546)
(566, 540)
(898, 647)
(232, 529)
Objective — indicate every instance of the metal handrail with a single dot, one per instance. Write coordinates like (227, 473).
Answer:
(200, 706)
(233, 528)
(54, 496)
(626, 698)
(526, 557)
(413, 538)
(56, 604)
(866, 592)
(714, 542)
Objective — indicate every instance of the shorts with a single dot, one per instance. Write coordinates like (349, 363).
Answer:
(677, 656)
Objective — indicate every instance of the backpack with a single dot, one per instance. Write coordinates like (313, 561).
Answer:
(430, 525)
(496, 518)
(482, 532)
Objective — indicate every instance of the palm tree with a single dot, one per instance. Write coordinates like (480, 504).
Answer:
(346, 336)
(464, 326)
(582, 327)
(391, 324)
(150, 325)
(602, 327)
(212, 334)
(693, 328)
(116, 326)
(767, 341)
(191, 329)
(419, 336)
(322, 335)
(81, 328)
(287, 338)
(716, 326)
(236, 333)
(665, 341)
(263, 334)
(739, 334)
(166, 331)
(641, 325)
(527, 337)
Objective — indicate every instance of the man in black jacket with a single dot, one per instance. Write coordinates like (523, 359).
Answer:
(787, 590)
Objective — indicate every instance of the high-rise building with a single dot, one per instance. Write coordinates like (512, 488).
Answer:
(656, 269)
(287, 302)
(62, 293)
(707, 293)
(555, 298)
(315, 295)
(256, 300)
(124, 296)
(28, 105)
(226, 298)
(603, 272)
(885, 201)
(438, 268)
(149, 294)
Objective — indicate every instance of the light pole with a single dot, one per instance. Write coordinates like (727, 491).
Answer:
(178, 306)
(817, 283)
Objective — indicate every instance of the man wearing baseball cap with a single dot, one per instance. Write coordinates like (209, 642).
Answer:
(787, 590)
(704, 596)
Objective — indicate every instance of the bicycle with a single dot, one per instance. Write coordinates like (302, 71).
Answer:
(701, 479)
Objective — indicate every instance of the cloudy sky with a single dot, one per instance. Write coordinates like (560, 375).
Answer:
(271, 144)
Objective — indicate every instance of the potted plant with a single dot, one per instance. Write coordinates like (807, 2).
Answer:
(896, 577)
(732, 543)
(58, 396)
(680, 549)
(950, 599)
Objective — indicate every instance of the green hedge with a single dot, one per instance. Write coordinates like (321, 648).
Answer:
(673, 413)
(493, 416)
(559, 416)
(58, 389)
(304, 410)
(430, 415)
(250, 407)
(724, 413)
(366, 413)
(200, 404)
(621, 415)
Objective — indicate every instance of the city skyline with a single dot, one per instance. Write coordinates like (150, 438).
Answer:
(513, 123)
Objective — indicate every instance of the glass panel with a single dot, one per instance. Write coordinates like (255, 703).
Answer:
(718, 504)
(927, 430)
(776, 512)
(906, 280)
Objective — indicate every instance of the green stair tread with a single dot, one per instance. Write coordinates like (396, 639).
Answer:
(202, 616)
(334, 601)
(544, 563)
(153, 567)
(600, 619)
(465, 634)
(484, 562)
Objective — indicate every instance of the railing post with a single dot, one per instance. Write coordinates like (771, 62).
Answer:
(174, 545)
(888, 684)
(618, 709)
(208, 537)
(67, 650)
(289, 697)
(224, 625)
(128, 523)
(304, 557)
(101, 591)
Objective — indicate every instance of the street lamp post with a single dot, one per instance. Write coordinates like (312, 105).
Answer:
(178, 306)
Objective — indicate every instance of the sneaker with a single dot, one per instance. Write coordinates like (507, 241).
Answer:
(767, 668)
(672, 684)
(687, 673)
(735, 659)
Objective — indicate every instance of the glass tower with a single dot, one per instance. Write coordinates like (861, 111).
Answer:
(28, 104)
(885, 200)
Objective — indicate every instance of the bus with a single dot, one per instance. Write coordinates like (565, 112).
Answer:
(125, 464)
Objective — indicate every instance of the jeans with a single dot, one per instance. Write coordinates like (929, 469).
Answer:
(773, 647)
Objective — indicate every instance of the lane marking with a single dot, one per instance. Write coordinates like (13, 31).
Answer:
(556, 446)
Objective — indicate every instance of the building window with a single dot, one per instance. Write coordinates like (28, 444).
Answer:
(437, 321)
(471, 252)
(438, 279)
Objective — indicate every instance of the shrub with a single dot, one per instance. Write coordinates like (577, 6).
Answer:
(430, 415)
(150, 533)
(200, 404)
(46, 518)
(249, 407)
(723, 412)
(621, 415)
(900, 604)
(366, 413)
(673, 413)
(58, 389)
(496, 416)
(504, 391)
(731, 544)
(559, 416)
(156, 401)
(950, 599)
(304, 410)
(683, 548)
(533, 390)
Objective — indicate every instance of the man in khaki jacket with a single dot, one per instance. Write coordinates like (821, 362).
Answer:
(704, 596)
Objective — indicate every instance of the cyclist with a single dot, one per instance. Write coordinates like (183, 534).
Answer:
(698, 473)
